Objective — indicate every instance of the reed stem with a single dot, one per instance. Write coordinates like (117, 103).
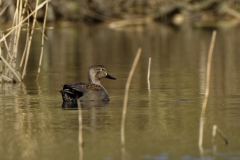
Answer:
(10, 67)
(20, 23)
(208, 72)
(27, 39)
(148, 76)
(126, 95)
(43, 37)
(222, 135)
(14, 32)
(201, 127)
(30, 41)
(1, 64)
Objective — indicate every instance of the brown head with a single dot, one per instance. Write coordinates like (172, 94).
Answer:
(97, 72)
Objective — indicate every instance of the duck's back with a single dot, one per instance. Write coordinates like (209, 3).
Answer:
(86, 92)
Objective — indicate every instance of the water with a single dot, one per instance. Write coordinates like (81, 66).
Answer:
(161, 123)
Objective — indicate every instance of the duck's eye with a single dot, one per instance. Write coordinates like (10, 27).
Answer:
(103, 69)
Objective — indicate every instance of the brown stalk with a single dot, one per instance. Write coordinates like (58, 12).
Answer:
(208, 72)
(3, 10)
(11, 68)
(17, 19)
(221, 134)
(30, 41)
(201, 127)
(27, 39)
(1, 64)
(21, 23)
(126, 95)
(43, 37)
(9, 56)
(148, 75)
(15, 32)
(40, 28)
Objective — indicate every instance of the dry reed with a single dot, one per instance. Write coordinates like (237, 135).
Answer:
(1, 69)
(21, 16)
(43, 37)
(208, 72)
(201, 126)
(126, 95)
(217, 130)
(25, 19)
(30, 41)
(148, 75)
(10, 67)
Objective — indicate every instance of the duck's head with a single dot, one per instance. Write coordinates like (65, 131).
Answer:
(97, 72)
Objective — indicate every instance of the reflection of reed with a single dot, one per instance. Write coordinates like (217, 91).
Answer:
(201, 127)
(126, 99)
(80, 139)
(19, 135)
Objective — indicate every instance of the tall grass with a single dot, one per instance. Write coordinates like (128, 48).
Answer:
(10, 38)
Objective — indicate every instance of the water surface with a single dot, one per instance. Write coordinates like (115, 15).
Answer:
(161, 122)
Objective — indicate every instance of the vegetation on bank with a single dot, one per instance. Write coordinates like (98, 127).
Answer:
(166, 11)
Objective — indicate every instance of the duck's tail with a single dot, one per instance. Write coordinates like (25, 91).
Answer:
(67, 94)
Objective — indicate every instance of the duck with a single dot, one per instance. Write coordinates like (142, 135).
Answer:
(91, 91)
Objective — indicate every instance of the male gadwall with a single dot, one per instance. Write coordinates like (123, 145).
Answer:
(91, 91)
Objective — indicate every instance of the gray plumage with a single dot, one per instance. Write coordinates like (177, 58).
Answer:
(91, 91)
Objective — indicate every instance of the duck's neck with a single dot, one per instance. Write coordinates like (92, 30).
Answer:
(94, 80)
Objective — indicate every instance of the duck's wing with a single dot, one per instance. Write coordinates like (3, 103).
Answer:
(77, 87)
(73, 91)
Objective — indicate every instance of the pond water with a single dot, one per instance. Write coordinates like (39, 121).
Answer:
(161, 122)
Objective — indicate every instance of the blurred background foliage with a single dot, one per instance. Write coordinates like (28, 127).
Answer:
(167, 11)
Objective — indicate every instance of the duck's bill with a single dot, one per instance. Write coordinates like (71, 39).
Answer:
(109, 77)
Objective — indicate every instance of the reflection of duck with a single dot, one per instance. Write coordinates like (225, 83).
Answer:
(84, 104)
(91, 91)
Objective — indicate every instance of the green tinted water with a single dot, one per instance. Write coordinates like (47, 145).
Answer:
(161, 123)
